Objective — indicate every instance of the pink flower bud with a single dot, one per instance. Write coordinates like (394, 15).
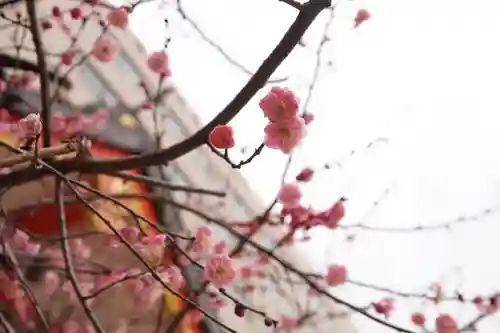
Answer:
(30, 126)
(222, 137)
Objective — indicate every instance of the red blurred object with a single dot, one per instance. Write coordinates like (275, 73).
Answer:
(45, 219)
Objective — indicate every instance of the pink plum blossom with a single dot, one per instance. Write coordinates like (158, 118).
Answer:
(284, 135)
(105, 49)
(202, 244)
(219, 270)
(118, 17)
(337, 275)
(30, 126)
(289, 195)
(158, 62)
(445, 323)
(279, 104)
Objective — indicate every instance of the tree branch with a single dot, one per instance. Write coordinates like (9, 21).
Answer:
(309, 11)
(42, 68)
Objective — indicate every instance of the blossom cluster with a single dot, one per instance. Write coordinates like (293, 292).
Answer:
(301, 217)
(285, 130)
(145, 287)
(105, 48)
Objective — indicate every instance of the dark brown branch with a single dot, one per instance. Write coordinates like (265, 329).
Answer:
(42, 68)
(240, 164)
(293, 3)
(161, 183)
(307, 15)
(42, 153)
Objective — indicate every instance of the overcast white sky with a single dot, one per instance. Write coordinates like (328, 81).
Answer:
(422, 73)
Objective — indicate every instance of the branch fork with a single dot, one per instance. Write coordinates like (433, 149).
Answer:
(80, 146)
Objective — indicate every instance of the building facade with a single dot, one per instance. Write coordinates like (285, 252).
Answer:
(117, 84)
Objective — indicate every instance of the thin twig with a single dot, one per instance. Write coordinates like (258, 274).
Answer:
(216, 46)
(161, 183)
(44, 78)
(68, 259)
(42, 153)
(27, 290)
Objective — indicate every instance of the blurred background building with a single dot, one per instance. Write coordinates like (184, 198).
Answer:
(115, 85)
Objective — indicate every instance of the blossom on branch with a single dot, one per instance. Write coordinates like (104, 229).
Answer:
(105, 49)
(30, 126)
(219, 270)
